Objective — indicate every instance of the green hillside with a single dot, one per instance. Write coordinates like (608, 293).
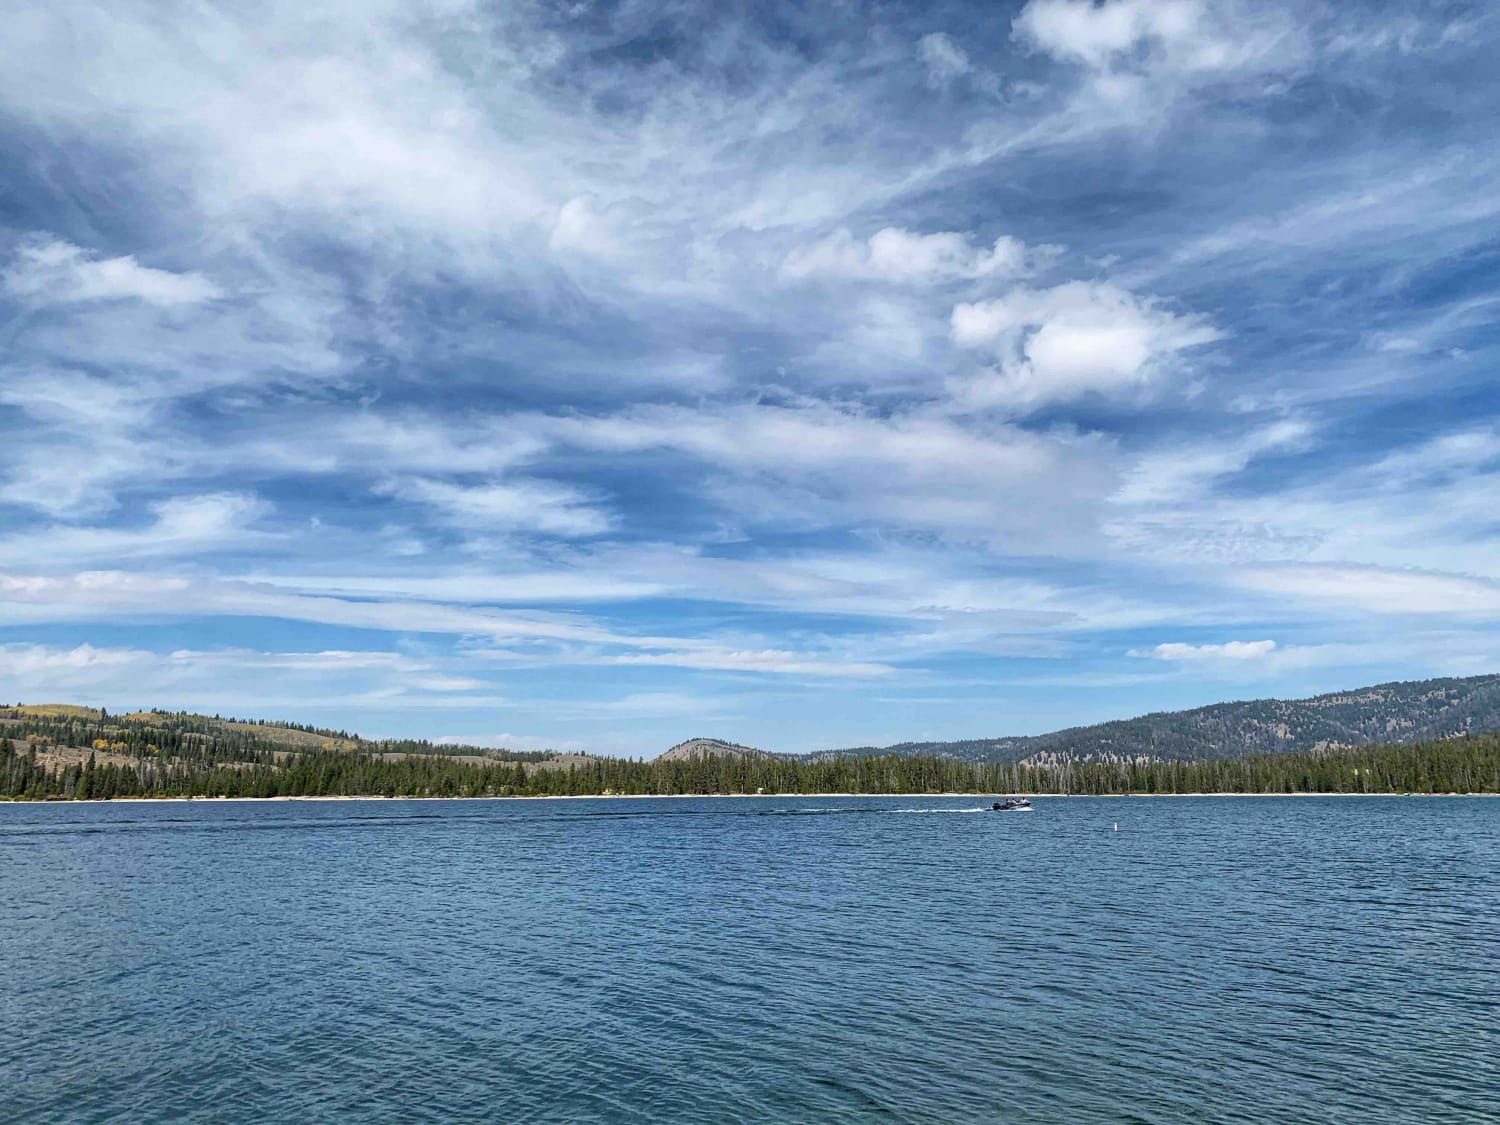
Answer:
(1428, 736)
(1390, 714)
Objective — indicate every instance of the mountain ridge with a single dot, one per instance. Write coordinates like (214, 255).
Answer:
(1395, 737)
(1395, 713)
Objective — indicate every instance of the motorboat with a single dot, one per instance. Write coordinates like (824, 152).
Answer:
(1010, 804)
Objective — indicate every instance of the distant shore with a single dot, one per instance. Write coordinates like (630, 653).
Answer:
(706, 796)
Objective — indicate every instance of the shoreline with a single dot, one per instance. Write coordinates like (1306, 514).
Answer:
(709, 797)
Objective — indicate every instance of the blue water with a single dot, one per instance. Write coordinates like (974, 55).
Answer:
(751, 959)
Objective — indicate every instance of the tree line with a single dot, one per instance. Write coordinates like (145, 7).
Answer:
(1460, 765)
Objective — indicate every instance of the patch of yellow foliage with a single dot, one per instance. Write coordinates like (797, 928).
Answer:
(305, 739)
(59, 710)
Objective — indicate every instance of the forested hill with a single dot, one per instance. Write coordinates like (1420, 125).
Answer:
(58, 730)
(59, 750)
(1386, 714)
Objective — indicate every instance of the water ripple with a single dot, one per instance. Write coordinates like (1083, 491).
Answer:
(751, 960)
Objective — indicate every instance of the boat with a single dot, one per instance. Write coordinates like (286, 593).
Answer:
(1012, 805)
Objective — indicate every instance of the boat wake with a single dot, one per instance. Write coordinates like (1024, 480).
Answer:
(869, 810)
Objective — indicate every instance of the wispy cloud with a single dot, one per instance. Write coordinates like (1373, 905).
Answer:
(901, 256)
(1397, 593)
(764, 660)
(656, 360)
(506, 505)
(945, 59)
(198, 525)
(50, 271)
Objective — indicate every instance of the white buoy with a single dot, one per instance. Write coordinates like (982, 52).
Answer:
(1117, 826)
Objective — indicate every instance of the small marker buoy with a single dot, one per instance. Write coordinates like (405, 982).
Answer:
(1117, 826)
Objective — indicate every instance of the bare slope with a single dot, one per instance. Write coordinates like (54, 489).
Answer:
(703, 747)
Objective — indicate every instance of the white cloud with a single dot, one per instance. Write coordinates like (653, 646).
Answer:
(339, 660)
(881, 330)
(221, 679)
(1464, 452)
(31, 664)
(940, 592)
(522, 505)
(900, 256)
(1266, 659)
(1059, 344)
(1179, 474)
(1427, 508)
(72, 398)
(1377, 590)
(945, 60)
(764, 660)
(535, 638)
(1381, 343)
(1121, 41)
(445, 206)
(582, 228)
(184, 524)
(555, 585)
(118, 595)
(813, 466)
(51, 271)
(1099, 34)
(1229, 650)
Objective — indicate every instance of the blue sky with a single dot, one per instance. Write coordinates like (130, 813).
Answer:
(808, 375)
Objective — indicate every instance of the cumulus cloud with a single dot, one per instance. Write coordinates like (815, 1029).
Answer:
(1096, 34)
(50, 271)
(1229, 650)
(1122, 40)
(1079, 338)
(905, 257)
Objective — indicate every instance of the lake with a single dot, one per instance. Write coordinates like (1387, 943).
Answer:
(907, 959)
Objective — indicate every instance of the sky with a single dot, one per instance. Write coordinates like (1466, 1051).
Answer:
(596, 376)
